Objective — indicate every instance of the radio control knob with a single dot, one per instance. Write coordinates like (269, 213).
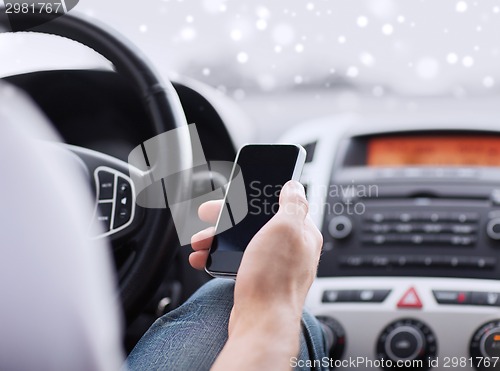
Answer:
(407, 340)
(493, 229)
(485, 344)
(340, 227)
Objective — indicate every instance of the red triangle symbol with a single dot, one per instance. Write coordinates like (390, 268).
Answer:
(410, 300)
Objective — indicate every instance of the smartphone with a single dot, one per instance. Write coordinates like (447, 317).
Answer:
(251, 200)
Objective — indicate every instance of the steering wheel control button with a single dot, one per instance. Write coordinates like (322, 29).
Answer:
(106, 183)
(407, 340)
(485, 344)
(104, 215)
(410, 300)
(493, 229)
(116, 201)
(340, 227)
(123, 203)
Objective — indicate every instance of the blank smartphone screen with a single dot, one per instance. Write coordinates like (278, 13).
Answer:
(265, 169)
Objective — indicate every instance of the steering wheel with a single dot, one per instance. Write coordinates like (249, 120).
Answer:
(149, 233)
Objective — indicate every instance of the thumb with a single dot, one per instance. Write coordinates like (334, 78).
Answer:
(293, 200)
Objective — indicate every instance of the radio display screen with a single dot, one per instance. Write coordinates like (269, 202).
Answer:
(456, 150)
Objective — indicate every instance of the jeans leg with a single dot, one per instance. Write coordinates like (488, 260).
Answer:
(192, 336)
(312, 345)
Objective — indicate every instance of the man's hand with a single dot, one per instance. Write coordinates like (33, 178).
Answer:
(277, 269)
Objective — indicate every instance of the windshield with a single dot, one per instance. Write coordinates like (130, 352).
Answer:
(416, 47)
(411, 47)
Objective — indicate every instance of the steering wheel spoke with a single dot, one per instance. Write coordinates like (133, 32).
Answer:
(115, 211)
(116, 214)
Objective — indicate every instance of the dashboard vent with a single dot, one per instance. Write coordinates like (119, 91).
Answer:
(310, 148)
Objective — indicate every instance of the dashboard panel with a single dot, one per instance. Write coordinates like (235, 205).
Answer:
(409, 210)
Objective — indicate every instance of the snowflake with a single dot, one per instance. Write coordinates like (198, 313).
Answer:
(262, 12)
(367, 59)
(362, 21)
(299, 48)
(461, 6)
(387, 29)
(261, 24)
(468, 61)
(188, 33)
(236, 35)
(242, 57)
(452, 58)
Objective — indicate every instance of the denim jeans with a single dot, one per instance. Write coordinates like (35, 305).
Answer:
(192, 336)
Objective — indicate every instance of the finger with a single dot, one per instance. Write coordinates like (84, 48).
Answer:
(314, 233)
(293, 200)
(209, 211)
(198, 259)
(203, 239)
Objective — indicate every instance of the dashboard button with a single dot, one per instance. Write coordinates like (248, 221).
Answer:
(463, 229)
(495, 197)
(410, 300)
(399, 261)
(338, 296)
(477, 262)
(452, 297)
(379, 261)
(355, 296)
(493, 229)
(486, 298)
(464, 217)
(340, 227)
(371, 296)
(353, 261)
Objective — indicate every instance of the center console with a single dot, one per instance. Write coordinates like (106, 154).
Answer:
(406, 205)
(410, 215)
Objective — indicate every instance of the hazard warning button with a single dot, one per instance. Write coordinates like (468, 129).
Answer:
(410, 300)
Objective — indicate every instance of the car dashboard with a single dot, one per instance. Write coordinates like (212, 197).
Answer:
(409, 209)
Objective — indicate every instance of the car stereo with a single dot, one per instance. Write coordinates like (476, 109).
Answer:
(414, 204)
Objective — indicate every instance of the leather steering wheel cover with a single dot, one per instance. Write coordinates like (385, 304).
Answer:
(164, 108)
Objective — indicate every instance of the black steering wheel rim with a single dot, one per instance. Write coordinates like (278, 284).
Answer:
(165, 113)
